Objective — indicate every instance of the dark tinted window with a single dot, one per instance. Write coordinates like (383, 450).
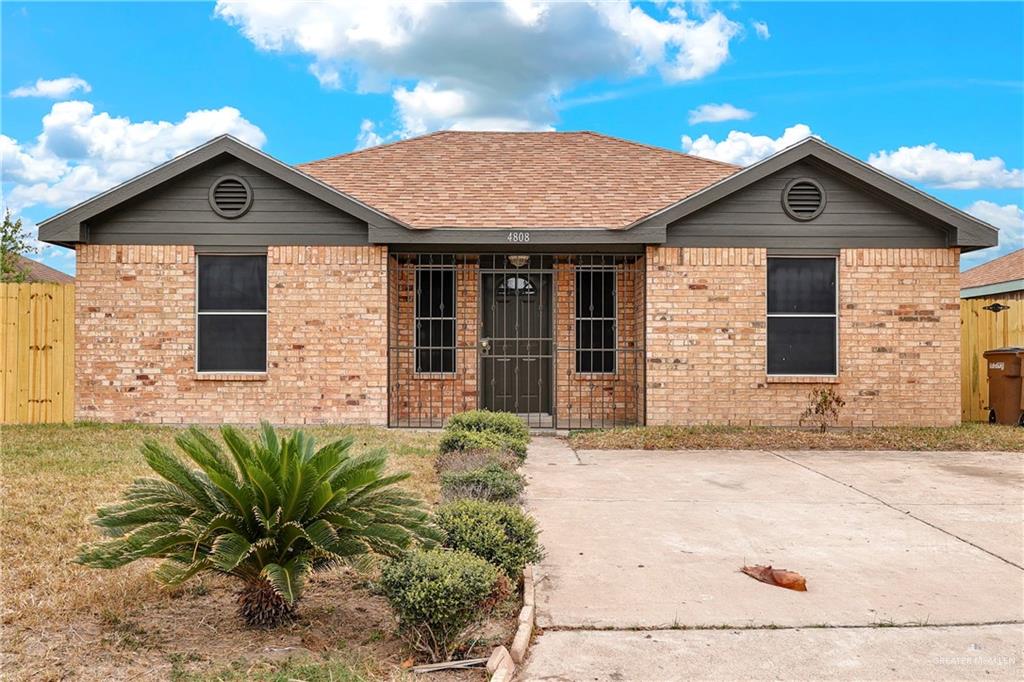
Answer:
(595, 293)
(435, 316)
(595, 320)
(802, 316)
(236, 342)
(591, 337)
(232, 283)
(232, 343)
(801, 285)
(801, 345)
(435, 292)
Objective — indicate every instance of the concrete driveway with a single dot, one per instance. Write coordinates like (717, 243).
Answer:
(641, 579)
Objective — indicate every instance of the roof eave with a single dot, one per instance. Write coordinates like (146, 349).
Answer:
(992, 289)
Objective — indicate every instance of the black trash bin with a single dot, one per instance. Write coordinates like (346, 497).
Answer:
(1005, 386)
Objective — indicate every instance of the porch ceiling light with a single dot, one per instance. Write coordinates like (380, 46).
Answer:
(518, 261)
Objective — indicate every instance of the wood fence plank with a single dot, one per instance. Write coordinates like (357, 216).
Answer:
(4, 369)
(55, 355)
(68, 320)
(10, 350)
(36, 353)
(23, 357)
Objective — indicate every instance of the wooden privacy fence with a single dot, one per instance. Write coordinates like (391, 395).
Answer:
(37, 347)
(982, 330)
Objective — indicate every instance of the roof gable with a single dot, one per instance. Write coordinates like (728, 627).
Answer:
(455, 179)
(67, 227)
(968, 232)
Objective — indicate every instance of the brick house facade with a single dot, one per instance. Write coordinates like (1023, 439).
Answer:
(898, 327)
(612, 284)
(136, 336)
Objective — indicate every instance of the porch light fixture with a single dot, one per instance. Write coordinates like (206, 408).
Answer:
(996, 307)
(518, 261)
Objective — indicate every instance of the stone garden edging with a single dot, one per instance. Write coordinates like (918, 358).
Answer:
(502, 663)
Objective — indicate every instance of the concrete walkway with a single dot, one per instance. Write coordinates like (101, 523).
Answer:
(641, 580)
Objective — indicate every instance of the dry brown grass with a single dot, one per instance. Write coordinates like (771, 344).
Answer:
(62, 620)
(979, 437)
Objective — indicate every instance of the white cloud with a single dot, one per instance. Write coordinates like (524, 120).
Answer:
(80, 153)
(936, 167)
(761, 29)
(742, 148)
(57, 88)
(1009, 218)
(17, 165)
(368, 135)
(714, 113)
(483, 65)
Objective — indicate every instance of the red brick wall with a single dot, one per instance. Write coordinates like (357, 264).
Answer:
(595, 400)
(428, 399)
(326, 339)
(899, 338)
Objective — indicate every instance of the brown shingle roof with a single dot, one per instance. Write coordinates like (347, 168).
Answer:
(37, 272)
(482, 179)
(1003, 269)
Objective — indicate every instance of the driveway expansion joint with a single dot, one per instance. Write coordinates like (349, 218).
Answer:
(812, 626)
(905, 512)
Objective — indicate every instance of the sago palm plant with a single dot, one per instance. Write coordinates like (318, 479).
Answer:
(268, 512)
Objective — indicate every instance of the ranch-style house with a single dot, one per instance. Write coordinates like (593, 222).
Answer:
(574, 278)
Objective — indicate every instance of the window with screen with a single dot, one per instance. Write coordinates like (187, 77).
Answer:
(802, 319)
(595, 320)
(231, 314)
(435, 314)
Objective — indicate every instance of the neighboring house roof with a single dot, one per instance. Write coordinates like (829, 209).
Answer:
(969, 232)
(38, 272)
(66, 228)
(1001, 275)
(518, 180)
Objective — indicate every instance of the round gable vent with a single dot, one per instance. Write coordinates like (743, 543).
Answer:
(803, 199)
(230, 196)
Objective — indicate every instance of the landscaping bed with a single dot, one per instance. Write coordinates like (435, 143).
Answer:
(966, 437)
(63, 620)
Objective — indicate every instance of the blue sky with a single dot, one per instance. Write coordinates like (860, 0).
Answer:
(933, 93)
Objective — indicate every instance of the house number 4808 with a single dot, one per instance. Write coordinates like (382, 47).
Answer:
(518, 237)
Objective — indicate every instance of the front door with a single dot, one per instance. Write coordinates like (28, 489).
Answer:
(516, 338)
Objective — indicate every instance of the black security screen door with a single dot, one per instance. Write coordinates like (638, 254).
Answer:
(516, 334)
(557, 338)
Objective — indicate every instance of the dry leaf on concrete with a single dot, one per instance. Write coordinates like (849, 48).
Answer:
(778, 577)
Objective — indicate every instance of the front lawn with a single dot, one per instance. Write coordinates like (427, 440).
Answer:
(982, 437)
(62, 620)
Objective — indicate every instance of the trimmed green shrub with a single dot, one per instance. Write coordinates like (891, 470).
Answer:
(492, 482)
(465, 460)
(459, 440)
(484, 420)
(440, 597)
(499, 533)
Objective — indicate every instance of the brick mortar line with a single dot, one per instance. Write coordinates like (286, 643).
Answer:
(895, 508)
(818, 626)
